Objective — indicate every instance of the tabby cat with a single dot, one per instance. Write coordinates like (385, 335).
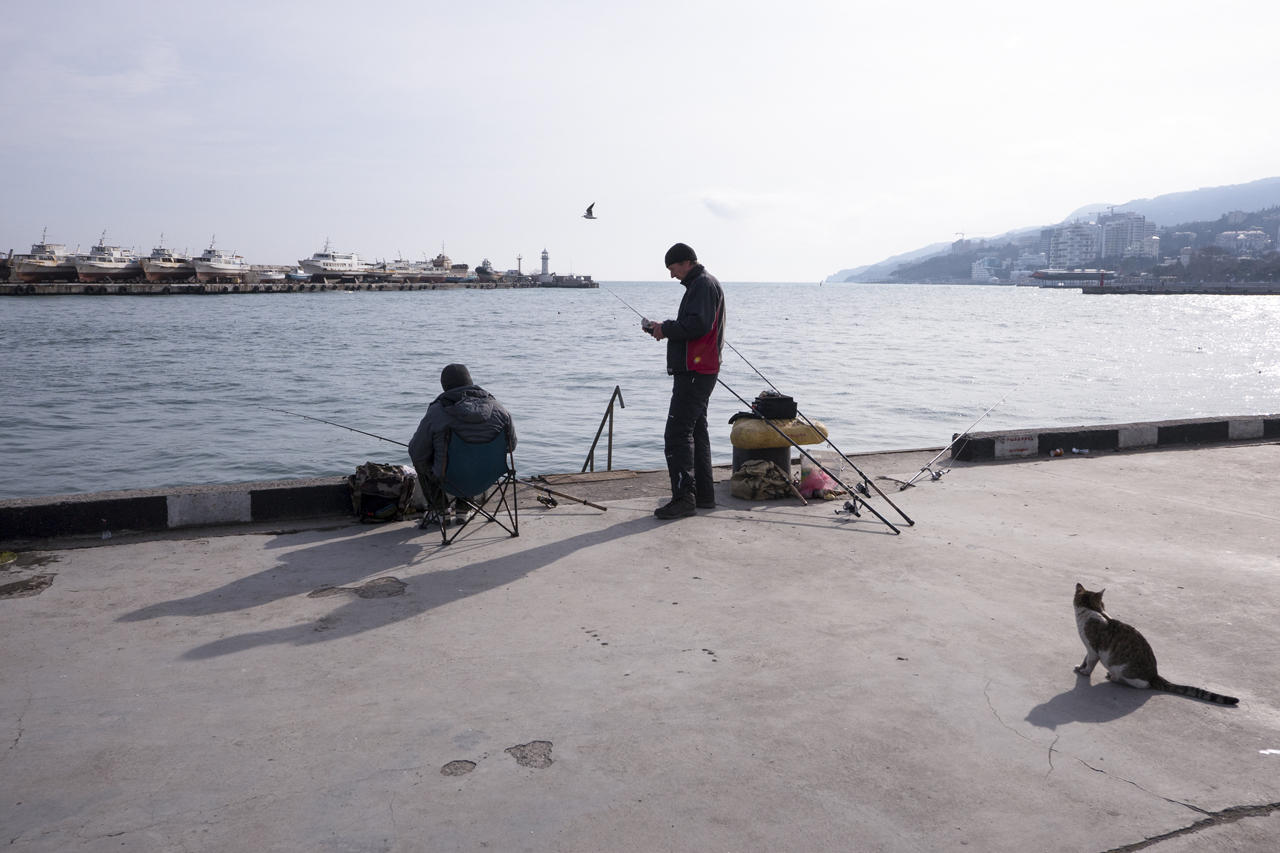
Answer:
(1124, 652)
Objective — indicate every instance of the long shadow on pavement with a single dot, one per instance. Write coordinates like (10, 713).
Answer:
(425, 592)
(339, 560)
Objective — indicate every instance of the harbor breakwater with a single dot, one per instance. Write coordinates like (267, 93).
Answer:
(147, 288)
(26, 522)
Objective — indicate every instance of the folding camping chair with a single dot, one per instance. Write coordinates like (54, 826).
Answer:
(472, 470)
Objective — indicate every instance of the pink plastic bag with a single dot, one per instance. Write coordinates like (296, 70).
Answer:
(816, 482)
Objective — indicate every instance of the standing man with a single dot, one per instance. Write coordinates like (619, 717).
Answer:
(695, 340)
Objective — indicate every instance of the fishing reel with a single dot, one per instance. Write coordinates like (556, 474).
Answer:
(849, 508)
(548, 501)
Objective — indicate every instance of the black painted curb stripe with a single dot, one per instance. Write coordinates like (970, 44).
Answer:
(1023, 443)
(163, 509)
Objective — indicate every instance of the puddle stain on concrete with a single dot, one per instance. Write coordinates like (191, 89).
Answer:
(377, 588)
(458, 768)
(26, 587)
(535, 754)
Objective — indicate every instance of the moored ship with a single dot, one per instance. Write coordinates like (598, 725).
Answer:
(486, 272)
(166, 265)
(328, 265)
(46, 262)
(459, 273)
(108, 263)
(435, 271)
(216, 265)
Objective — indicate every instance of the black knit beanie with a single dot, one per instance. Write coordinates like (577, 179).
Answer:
(678, 253)
(455, 376)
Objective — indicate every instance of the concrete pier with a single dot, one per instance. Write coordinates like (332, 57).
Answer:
(764, 676)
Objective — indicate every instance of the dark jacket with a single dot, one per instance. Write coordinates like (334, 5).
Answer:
(695, 338)
(471, 412)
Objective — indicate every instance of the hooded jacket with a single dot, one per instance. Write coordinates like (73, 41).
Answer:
(471, 412)
(695, 338)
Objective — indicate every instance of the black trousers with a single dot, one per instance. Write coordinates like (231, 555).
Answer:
(686, 442)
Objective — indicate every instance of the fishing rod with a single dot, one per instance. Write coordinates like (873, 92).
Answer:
(339, 426)
(853, 493)
(937, 475)
(526, 483)
(866, 481)
(626, 303)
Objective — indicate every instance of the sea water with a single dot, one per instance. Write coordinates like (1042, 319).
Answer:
(110, 392)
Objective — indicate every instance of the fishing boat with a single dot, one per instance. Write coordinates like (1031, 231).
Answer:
(217, 265)
(166, 265)
(108, 263)
(298, 274)
(270, 276)
(329, 265)
(46, 262)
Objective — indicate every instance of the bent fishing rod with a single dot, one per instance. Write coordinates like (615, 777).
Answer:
(937, 475)
(853, 493)
(525, 483)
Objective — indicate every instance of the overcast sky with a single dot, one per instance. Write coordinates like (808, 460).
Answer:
(784, 141)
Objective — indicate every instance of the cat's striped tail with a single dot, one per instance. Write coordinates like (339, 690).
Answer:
(1194, 692)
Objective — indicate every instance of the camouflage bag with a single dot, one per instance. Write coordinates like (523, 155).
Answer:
(759, 480)
(381, 492)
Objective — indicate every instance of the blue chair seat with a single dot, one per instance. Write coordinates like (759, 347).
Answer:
(474, 469)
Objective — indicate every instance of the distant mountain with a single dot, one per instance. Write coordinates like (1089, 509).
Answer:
(1205, 204)
(888, 265)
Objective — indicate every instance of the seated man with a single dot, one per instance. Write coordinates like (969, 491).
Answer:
(473, 414)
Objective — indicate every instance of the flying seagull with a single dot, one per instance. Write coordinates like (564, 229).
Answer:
(589, 214)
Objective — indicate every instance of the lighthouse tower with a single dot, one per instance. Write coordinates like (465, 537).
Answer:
(546, 262)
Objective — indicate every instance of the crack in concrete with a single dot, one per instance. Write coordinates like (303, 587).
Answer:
(986, 695)
(13, 746)
(1140, 788)
(1218, 818)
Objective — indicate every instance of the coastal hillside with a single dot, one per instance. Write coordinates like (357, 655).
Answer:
(1233, 247)
(1171, 210)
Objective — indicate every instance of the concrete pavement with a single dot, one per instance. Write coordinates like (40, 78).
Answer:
(763, 677)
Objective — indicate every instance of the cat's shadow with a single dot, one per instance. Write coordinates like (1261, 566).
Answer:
(1087, 702)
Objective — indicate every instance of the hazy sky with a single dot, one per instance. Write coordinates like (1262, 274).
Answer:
(784, 141)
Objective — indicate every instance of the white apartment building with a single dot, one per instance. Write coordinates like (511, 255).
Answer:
(1129, 235)
(1075, 245)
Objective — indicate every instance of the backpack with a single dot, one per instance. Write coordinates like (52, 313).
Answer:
(381, 492)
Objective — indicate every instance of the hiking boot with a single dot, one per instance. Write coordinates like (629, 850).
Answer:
(682, 507)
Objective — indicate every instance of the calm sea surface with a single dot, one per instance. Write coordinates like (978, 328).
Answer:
(108, 392)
